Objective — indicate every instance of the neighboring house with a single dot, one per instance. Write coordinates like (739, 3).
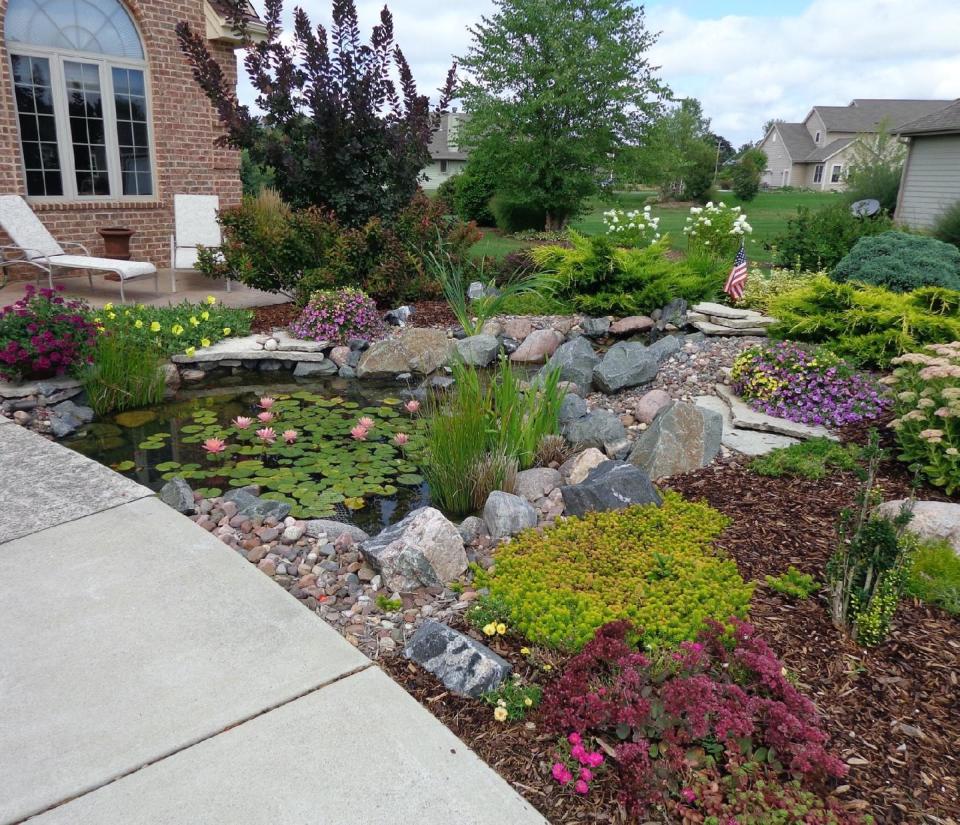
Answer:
(101, 120)
(817, 153)
(446, 156)
(931, 175)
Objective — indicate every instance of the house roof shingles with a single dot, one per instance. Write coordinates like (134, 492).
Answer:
(440, 141)
(946, 120)
(796, 139)
(821, 153)
(866, 114)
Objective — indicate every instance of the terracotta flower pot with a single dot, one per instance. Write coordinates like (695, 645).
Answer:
(116, 242)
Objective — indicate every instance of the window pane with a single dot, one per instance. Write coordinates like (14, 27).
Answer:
(87, 131)
(132, 132)
(38, 132)
(96, 26)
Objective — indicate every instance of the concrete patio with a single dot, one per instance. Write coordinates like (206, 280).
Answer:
(152, 675)
(191, 286)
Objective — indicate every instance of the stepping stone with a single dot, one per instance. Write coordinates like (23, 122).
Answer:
(747, 442)
(723, 311)
(710, 328)
(747, 418)
(742, 323)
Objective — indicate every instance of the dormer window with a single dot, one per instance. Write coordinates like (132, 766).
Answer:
(816, 138)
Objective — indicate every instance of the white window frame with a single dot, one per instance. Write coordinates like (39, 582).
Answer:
(104, 63)
(818, 173)
(836, 173)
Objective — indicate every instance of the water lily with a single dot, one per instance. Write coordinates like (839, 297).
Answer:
(412, 406)
(265, 417)
(267, 402)
(267, 435)
(359, 433)
(366, 422)
(241, 422)
(289, 436)
(400, 439)
(214, 445)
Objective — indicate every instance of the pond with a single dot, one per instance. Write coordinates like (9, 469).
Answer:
(333, 467)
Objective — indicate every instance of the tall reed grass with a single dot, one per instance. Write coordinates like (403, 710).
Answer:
(125, 374)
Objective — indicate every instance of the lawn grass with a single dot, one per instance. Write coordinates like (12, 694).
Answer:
(767, 214)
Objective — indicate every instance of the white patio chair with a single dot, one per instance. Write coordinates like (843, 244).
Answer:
(194, 224)
(34, 246)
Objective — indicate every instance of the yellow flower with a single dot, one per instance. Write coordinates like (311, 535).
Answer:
(154, 326)
(500, 714)
(501, 629)
(126, 313)
(227, 330)
(204, 342)
(211, 300)
(191, 351)
(111, 315)
(97, 321)
(176, 329)
(138, 324)
(107, 306)
(205, 315)
(194, 322)
(548, 667)
(524, 651)
(528, 702)
(490, 629)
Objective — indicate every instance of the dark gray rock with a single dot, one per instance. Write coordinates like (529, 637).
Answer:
(576, 360)
(595, 327)
(506, 514)
(358, 344)
(625, 365)
(509, 345)
(83, 414)
(63, 425)
(612, 485)
(465, 666)
(673, 313)
(478, 350)
(599, 429)
(253, 506)
(176, 493)
(572, 407)
(472, 528)
(683, 437)
(346, 371)
(334, 529)
(306, 369)
(665, 347)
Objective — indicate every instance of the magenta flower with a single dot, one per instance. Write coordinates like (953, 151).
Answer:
(267, 435)
(581, 787)
(574, 739)
(265, 417)
(241, 422)
(400, 439)
(267, 402)
(359, 433)
(595, 759)
(561, 773)
(412, 406)
(688, 796)
(214, 445)
(586, 774)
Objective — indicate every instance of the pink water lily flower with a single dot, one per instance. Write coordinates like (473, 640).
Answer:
(412, 405)
(289, 436)
(359, 433)
(241, 422)
(267, 402)
(400, 439)
(265, 417)
(214, 445)
(267, 435)
(366, 422)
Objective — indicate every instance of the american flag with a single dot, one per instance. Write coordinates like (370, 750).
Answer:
(738, 275)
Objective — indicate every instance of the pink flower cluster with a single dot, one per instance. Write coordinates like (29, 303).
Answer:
(583, 762)
(338, 315)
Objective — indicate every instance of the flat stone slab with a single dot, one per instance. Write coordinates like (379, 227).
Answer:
(747, 442)
(44, 484)
(9, 389)
(243, 349)
(710, 328)
(747, 418)
(742, 323)
(365, 750)
(723, 311)
(149, 636)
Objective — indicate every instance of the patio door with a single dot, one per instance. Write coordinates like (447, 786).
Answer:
(785, 177)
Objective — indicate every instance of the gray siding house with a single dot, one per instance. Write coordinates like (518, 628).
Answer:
(817, 153)
(446, 156)
(931, 174)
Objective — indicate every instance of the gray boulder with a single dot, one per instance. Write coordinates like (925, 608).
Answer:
(537, 482)
(665, 347)
(176, 493)
(576, 468)
(465, 666)
(423, 549)
(599, 428)
(305, 369)
(334, 529)
(595, 327)
(506, 514)
(576, 360)
(537, 347)
(472, 528)
(612, 485)
(398, 317)
(931, 520)
(415, 349)
(572, 407)
(625, 365)
(683, 437)
(83, 414)
(63, 425)
(252, 506)
(478, 350)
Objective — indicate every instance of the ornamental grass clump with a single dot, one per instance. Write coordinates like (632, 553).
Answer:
(655, 566)
(807, 385)
(337, 315)
(716, 702)
(926, 387)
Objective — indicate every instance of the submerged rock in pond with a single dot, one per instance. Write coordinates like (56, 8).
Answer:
(135, 418)
(465, 666)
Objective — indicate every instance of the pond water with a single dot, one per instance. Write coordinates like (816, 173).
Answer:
(324, 473)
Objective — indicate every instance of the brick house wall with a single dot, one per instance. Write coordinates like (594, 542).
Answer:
(184, 127)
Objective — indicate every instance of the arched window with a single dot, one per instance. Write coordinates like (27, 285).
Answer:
(79, 74)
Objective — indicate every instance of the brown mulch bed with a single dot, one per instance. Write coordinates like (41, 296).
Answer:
(432, 314)
(893, 712)
(277, 315)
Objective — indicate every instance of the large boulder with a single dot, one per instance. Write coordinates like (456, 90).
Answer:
(576, 468)
(251, 506)
(576, 360)
(612, 485)
(536, 483)
(506, 514)
(537, 347)
(465, 666)
(625, 365)
(416, 349)
(931, 520)
(599, 428)
(664, 347)
(176, 493)
(683, 437)
(423, 549)
(595, 327)
(478, 350)
(571, 408)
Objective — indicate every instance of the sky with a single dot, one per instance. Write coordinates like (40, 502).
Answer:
(745, 60)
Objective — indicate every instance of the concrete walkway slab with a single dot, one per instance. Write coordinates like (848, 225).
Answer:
(132, 633)
(359, 752)
(43, 484)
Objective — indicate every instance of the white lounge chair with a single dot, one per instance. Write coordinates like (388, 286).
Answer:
(34, 246)
(194, 224)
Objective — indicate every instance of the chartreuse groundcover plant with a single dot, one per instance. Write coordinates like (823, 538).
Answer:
(654, 566)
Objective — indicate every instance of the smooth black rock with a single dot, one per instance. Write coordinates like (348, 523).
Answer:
(612, 485)
(465, 666)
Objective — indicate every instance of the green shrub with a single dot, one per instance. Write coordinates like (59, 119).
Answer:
(746, 173)
(793, 583)
(536, 303)
(934, 576)
(516, 216)
(446, 192)
(878, 181)
(926, 389)
(866, 324)
(471, 198)
(763, 287)
(818, 240)
(901, 262)
(124, 374)
(655, 566)
(947, 227)
(515, 698)
(814, 459)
